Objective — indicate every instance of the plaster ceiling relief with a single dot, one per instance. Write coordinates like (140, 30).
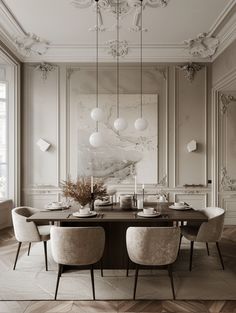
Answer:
(122, 46)
(126, 7)
(24, 25)
(45, 69)
(203, 45)
(31, 44)
(190, 70)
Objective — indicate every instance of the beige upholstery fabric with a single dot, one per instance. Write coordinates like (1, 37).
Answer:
(77, 245)
(44, 232)
(210, 231)
(153, 245)
(28, 231)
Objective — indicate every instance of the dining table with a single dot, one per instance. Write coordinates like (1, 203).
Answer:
(115, 222)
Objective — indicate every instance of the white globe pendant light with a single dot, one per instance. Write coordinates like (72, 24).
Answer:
(96, 139)
(120, 123)
(141, 123)
(97, 114)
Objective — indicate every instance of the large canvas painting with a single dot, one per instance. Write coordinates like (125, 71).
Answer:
(123, 154)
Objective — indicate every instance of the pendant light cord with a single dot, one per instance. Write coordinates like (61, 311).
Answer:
(117, 60)
(97, 9)
(141, 57)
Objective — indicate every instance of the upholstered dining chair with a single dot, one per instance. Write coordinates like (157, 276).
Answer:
(28, 231)
(207, 232)
(153, 246)
(77, 246)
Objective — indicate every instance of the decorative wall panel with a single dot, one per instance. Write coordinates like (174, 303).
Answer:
(41, 112)
(190, 124)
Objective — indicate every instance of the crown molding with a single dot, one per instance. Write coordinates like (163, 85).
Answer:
(86, 53)
(226, 32)
(224, 28)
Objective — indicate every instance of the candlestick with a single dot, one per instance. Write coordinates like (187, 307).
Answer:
(91, 184)
(143, 192)
(92, 201)
(135, 184)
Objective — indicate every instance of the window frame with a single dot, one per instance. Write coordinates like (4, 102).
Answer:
(6, 100)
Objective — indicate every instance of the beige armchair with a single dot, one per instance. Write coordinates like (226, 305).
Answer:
(77, 246)
(210, 231)
(153, 246)
(29, 231)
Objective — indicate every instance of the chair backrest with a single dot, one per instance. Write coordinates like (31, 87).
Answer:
(153, 245)
(77, 245)
(211, 231)
(24, 231)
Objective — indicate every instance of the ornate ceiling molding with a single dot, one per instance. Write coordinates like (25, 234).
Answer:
(126, 7)
(45, 69)
(31, 44)
(203, 45)
(122, 48)
(225, 100)
(190, 69)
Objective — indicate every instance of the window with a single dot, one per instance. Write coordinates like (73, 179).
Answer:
(3, 140)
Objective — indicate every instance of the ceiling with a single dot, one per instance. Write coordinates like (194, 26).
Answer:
(66, 27)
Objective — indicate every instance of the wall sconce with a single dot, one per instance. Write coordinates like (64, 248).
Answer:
(192, 146)
(43, 145)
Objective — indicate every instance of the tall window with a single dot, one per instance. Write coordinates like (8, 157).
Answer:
(3, 140)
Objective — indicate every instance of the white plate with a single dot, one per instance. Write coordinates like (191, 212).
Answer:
(183, 207)
(90, 214)
(103, 204)
(50, 208)
(155, 214)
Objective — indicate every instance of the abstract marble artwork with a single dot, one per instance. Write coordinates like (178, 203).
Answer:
(124, 154)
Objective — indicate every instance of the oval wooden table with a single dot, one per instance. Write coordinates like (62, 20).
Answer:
(116, 221)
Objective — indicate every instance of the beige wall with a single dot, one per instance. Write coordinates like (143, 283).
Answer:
(50, 113)
(224, 64)
(224, 131)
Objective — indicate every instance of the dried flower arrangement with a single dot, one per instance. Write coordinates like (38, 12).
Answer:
(80, 190)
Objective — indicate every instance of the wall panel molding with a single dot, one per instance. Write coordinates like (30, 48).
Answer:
(176, 129)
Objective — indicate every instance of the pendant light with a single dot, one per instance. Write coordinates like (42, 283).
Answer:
(96, 139)
(120, 123)
(141, 123)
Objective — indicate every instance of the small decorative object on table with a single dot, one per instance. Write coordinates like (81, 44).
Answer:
(126, 202)
(162, 196)
(82, 192)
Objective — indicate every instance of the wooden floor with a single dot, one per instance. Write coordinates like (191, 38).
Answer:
(118, 306)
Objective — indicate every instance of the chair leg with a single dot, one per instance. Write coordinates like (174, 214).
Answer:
(207, 247)
(92, 280)
(17, 254)
(220, 255)
(60, 267)
(101, 267)
(171, 279)
(191, 255)
(180, 240)
(135, 280)
(127, 267)
(45, 254)
(29, 249)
